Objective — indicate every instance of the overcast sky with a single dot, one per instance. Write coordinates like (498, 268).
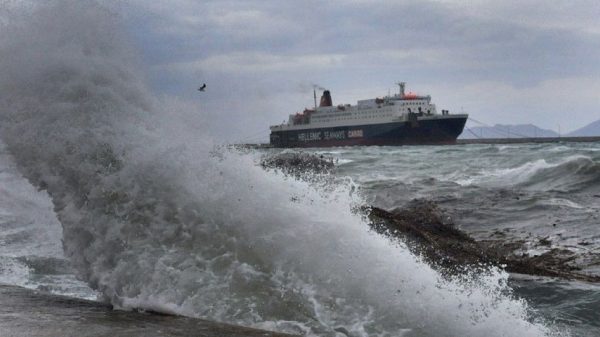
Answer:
(500, 61)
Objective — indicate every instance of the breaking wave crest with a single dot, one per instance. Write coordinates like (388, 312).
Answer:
(153, 218)
(573, 173)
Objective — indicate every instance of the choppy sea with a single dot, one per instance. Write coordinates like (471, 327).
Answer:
(527, 191)
(112, 194)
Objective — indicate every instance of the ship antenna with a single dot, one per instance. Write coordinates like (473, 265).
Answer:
(315, 95)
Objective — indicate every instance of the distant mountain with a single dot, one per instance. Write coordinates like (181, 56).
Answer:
(506, 131)
(592, 129)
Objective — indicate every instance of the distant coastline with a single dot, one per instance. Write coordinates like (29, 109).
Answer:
(528, 140)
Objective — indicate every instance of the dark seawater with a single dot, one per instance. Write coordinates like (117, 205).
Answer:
(526, 192)
(544, 191)
(111, 193)
(523, 183)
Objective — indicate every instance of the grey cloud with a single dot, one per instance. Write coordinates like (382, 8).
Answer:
(265, 50)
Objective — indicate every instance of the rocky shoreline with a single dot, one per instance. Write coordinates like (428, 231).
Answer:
(429, 232)
(426, 231)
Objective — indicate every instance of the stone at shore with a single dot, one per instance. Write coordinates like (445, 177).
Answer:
(429, 233)
(24, 312)
(298, 163)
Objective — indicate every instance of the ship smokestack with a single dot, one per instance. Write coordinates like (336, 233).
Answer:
(402, 85)
(326, 99)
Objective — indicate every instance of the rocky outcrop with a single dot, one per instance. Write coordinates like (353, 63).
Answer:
(428, 232)
(298, 164)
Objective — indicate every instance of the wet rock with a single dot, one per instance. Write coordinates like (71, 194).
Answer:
(299, 163)
(426, 231)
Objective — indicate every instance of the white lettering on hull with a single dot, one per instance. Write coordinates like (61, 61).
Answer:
(309, 136)
(335, 135)
(329, 135)
(355, 133)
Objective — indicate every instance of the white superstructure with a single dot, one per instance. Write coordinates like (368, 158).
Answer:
(396, 108)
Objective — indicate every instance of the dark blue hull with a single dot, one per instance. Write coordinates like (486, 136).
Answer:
(428, 131)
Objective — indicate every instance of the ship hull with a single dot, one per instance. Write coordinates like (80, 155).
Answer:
(421, 132)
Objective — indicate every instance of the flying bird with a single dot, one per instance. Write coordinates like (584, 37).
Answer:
(202, 87)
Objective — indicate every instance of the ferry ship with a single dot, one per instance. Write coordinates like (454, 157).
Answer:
(401, 119)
